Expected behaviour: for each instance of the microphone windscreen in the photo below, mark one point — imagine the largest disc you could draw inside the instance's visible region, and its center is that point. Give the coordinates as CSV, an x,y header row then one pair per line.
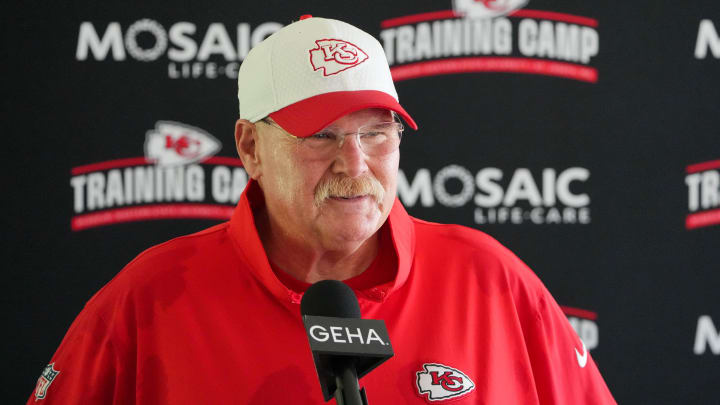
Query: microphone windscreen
x,y
330,298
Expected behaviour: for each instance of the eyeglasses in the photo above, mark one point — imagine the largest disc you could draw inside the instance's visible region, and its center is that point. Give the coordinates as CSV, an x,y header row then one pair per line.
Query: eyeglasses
x,y
377,139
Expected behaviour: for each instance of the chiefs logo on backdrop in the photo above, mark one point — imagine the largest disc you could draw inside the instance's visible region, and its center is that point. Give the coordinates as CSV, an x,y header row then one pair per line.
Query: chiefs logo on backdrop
x,y
486,8
332,56
440,382
172,143
171,181
491,36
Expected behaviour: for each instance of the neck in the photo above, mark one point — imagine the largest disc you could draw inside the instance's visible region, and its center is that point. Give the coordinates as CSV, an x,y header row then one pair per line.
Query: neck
x,y
312,263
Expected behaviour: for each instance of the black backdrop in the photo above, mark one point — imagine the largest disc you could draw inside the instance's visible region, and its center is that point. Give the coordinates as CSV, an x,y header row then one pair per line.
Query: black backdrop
x,y
632,130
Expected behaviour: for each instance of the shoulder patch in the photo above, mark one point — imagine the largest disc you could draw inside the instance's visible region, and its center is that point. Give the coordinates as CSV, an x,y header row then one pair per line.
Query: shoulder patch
x,y
46,378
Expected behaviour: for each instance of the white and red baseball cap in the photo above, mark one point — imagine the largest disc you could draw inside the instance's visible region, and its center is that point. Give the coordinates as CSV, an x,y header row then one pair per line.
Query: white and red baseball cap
x,y
314,71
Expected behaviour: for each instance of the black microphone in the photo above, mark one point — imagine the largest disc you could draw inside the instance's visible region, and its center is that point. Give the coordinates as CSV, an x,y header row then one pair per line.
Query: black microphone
x,y
344,346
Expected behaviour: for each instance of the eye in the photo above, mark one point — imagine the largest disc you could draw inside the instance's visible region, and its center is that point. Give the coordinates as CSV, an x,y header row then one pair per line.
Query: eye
x,y
322,136
373,137
372,134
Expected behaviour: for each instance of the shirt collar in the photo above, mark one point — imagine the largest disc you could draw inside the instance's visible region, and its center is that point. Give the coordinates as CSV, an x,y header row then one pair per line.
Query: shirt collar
x,y
246,241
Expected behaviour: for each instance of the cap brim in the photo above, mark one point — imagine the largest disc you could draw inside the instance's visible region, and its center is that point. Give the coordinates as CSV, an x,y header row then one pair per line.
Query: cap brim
x,y
308,116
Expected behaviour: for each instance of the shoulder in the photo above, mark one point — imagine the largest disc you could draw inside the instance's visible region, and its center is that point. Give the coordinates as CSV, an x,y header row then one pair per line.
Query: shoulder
x,y
474,255
156,278
462,240
458,236
180,249
163,266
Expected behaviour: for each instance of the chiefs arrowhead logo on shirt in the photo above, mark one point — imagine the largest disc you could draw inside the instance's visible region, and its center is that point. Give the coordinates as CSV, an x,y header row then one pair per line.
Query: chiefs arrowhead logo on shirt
x,y
335,55
441,382
46,378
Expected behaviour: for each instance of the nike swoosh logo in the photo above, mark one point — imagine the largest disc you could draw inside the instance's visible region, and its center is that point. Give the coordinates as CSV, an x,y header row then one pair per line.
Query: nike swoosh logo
x,y
582,359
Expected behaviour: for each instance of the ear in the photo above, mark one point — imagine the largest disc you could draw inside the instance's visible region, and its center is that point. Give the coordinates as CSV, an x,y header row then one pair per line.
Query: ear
x,y
246,142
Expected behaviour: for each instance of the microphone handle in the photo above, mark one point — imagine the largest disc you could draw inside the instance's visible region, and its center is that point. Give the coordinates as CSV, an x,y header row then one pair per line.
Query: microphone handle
x,y
348,390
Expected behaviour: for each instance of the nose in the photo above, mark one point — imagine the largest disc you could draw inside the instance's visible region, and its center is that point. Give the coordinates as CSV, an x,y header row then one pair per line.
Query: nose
x,y
350,159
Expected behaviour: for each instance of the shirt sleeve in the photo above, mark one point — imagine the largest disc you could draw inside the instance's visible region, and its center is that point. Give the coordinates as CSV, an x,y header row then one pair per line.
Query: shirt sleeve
x,y
563,370
88,368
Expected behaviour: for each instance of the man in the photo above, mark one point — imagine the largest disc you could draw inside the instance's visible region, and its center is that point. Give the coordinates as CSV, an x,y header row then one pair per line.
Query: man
x,y
214,317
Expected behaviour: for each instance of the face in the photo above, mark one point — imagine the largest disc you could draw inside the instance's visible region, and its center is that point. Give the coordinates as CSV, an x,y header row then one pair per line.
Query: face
x,y
325,202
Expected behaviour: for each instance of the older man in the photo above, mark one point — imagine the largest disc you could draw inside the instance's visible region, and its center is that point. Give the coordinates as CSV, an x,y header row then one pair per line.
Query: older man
x,y
214,317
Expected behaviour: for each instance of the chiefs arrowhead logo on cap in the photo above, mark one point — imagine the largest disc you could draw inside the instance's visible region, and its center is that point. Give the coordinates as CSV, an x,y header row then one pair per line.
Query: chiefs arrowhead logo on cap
x,y
441,382
332,56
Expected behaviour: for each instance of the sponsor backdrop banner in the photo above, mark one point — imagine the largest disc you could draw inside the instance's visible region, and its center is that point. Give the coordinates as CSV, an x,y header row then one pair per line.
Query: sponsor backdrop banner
x,y
585,136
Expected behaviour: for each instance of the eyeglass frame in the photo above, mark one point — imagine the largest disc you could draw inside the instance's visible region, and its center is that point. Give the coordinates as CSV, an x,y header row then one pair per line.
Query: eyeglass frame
x,y
400,129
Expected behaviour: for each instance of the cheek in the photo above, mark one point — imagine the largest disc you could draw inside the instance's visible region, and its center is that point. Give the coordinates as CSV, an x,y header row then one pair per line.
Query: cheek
x,y
386,171
386,168
278,170
295,180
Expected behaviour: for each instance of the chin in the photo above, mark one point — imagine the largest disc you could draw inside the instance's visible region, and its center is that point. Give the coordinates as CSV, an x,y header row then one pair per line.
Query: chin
x,y
355,230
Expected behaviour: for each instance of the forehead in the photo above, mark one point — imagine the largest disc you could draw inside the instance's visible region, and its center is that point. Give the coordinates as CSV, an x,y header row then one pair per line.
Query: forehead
x,y
362,117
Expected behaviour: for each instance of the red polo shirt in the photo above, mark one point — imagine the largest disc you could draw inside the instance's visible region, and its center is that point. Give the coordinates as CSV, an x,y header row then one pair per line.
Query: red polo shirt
x,y
204,319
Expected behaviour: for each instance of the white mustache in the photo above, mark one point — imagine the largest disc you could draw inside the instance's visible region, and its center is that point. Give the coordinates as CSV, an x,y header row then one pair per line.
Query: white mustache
x,y
349,187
